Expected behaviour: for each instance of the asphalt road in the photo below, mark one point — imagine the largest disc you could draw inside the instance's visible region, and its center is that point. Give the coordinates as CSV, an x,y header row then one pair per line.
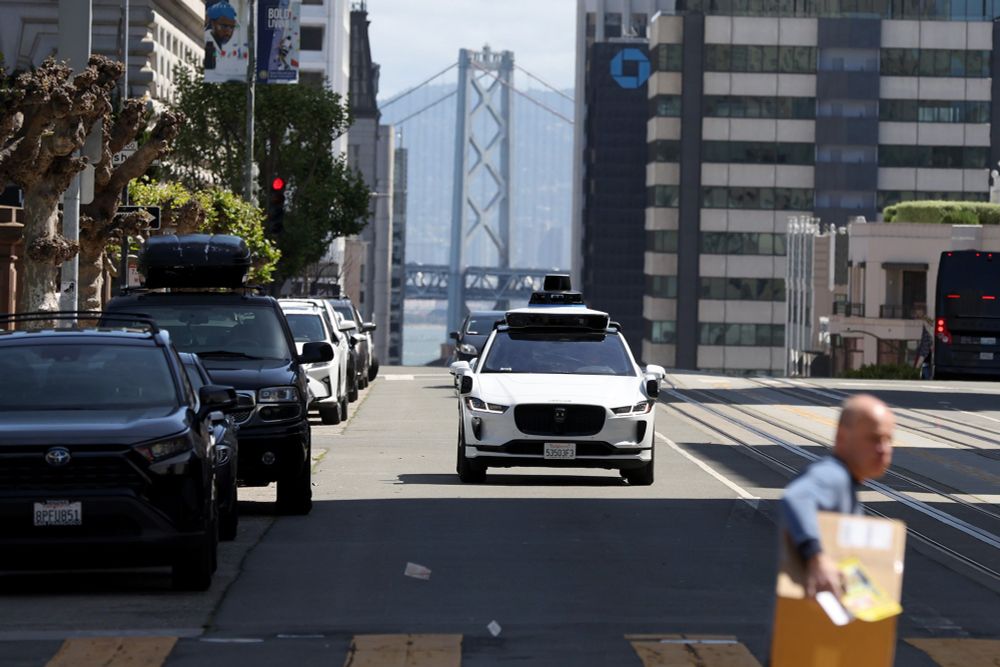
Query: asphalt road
x,y
572,567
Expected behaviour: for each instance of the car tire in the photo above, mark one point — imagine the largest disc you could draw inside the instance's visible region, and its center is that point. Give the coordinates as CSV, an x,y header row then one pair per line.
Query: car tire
x,y
352,388
343,408
470,472
295,491
364,381
193,568
329,413
639,476
229,520
373,370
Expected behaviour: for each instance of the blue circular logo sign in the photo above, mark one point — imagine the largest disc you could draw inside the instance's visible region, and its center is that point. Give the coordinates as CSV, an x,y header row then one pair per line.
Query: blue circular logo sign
x,y
638,72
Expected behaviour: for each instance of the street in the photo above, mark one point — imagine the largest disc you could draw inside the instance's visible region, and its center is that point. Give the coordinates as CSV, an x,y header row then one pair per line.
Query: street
x,y
547,567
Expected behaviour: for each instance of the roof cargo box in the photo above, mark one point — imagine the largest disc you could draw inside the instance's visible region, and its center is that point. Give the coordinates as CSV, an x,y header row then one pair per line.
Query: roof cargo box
x,y
195,260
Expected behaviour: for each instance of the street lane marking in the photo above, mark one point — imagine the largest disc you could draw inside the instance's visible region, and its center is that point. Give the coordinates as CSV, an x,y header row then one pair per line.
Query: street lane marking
x,y
691,651
740,491
396,378
113,652
405,651
960,652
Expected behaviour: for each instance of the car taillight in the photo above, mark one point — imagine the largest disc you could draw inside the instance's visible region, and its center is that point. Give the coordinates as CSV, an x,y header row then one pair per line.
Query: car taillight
x,y
941,329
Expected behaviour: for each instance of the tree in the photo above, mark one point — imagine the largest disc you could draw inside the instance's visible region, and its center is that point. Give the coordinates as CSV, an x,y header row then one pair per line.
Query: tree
x,y
45,115
211,211
295,127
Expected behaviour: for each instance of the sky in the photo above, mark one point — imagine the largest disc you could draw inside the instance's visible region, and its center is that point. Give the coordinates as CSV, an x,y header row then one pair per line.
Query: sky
x,y
413,40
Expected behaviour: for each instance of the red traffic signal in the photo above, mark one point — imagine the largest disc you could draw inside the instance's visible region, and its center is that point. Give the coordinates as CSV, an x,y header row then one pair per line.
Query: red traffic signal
x,y
278,183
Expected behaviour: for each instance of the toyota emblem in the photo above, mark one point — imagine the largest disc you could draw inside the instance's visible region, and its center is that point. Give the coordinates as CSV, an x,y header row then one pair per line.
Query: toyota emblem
x,y
560,415
57,457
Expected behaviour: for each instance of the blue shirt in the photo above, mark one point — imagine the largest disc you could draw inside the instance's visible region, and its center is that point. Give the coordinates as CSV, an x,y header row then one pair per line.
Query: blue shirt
x,y
825,486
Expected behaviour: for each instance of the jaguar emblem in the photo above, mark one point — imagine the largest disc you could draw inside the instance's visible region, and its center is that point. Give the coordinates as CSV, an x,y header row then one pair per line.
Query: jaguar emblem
x,y
57,457
560,415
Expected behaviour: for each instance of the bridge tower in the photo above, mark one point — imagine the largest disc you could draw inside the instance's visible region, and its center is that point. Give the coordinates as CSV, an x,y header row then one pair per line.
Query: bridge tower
x,y
481,184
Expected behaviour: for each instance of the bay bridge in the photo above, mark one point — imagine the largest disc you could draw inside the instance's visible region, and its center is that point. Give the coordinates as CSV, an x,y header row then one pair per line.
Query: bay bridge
x,y
479,252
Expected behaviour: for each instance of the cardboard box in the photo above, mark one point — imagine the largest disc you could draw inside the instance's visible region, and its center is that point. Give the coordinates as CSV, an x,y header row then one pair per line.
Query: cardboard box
x,y
804,634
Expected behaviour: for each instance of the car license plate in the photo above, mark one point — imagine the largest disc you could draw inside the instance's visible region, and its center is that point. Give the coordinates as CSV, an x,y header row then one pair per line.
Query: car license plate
x,y
988,341
986,356
565,451
58,513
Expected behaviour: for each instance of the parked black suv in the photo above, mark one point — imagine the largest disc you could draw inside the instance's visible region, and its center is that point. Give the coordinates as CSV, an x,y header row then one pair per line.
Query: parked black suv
x,y
106,452
243,340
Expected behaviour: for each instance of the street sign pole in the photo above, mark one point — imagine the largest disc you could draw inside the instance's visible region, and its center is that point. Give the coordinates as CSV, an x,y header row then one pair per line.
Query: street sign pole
x,y
251,78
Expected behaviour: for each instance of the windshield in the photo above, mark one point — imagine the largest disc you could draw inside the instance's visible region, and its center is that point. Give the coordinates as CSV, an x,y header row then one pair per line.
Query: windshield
x,y
481,326
571,353
234,330
66,376
306,328
345,311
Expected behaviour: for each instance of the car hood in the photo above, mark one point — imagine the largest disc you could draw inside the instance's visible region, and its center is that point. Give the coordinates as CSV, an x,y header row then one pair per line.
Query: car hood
x,y
250,373
65,427
509,389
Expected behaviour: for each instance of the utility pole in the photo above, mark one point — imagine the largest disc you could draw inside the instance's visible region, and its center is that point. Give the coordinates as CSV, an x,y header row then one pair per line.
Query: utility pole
x,y
75,27
251,80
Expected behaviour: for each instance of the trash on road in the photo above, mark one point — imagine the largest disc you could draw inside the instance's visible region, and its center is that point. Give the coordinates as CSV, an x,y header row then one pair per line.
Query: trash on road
x,y
417,571
494,628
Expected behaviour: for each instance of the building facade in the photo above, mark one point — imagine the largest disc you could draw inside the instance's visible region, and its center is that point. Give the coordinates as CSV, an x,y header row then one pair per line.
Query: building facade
x,y
325,48
162,35
756,117
397,287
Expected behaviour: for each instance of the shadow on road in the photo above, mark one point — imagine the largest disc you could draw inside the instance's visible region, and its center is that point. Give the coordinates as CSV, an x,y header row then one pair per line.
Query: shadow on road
x,y
513,479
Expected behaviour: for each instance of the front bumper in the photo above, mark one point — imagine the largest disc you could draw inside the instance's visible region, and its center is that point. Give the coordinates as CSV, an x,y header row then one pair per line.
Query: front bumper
x,y
289,445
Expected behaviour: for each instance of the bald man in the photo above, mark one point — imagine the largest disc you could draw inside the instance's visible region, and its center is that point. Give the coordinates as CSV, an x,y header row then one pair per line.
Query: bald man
x,y
862,450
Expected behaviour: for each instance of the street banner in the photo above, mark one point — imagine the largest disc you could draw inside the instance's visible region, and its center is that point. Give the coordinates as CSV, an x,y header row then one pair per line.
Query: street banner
x,y
278,41
227,53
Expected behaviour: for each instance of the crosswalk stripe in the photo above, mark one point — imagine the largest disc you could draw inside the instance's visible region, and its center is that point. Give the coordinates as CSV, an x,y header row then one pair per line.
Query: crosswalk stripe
x,y
113,652
405,651
691,651
960,652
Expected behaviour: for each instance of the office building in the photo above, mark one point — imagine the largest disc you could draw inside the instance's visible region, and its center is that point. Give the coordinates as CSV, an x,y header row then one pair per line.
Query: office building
x,y
827,112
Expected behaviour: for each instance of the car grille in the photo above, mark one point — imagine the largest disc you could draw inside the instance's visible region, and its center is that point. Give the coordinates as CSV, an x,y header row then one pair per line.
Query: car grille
x,y
567,420
31,472
245,402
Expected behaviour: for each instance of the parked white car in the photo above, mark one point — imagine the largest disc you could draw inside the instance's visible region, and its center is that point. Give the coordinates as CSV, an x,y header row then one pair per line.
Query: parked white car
x,y
311,322
557,386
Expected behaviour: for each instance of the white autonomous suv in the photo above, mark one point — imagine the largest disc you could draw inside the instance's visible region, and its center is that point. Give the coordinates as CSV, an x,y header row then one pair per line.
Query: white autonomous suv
x,y
557,386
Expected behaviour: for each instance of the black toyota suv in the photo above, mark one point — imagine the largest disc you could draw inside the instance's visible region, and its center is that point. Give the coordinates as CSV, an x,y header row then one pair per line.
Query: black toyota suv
x,y
243,340
106,452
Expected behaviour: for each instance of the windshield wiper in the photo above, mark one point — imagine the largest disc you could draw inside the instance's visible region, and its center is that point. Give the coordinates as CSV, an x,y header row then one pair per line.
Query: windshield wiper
x,y
227,353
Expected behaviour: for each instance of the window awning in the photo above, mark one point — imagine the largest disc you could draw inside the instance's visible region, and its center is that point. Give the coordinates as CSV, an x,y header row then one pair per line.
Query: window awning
x,y
905,266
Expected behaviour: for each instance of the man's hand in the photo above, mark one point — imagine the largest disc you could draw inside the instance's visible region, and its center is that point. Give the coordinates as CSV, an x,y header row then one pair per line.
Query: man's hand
x,y
822,575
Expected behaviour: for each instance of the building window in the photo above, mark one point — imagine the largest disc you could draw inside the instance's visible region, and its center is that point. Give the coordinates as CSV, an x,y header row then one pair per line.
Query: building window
x,y
742,289
665,150
935,62
317,79
591,24
663,196
755,152
661,287
311,38
890,197
752,58
934,111
746,106
665,106
745,335
742,243
661,240
938,157
668,58
612,25
638,25
778,199
662,332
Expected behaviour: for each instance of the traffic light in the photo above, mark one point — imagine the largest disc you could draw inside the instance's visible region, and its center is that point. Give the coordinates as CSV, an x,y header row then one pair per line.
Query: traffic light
x,y
276,207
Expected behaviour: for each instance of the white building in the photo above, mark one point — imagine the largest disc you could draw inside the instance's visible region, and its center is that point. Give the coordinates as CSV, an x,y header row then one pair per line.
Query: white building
x,y
325,48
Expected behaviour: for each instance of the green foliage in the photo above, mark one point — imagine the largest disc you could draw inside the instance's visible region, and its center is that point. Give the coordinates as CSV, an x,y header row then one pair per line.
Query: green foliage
x,y
294,127
944,212
884,372
225,213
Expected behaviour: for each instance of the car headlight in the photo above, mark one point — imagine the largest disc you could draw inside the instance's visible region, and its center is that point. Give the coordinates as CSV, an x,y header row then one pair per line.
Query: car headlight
x,y
278,395
467,348
164,449
641,408
478,405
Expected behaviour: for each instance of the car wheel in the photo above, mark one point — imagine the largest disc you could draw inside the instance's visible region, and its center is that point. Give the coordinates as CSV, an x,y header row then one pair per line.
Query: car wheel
x,y
639,476
343,408
470,472
373,370
295,491
229,520
329,413
352,388
363,383
193,568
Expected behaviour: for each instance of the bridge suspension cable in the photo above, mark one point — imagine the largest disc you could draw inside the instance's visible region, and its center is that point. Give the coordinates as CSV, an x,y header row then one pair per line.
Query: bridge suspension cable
x,y
413,89
426,108
524,95
545,83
